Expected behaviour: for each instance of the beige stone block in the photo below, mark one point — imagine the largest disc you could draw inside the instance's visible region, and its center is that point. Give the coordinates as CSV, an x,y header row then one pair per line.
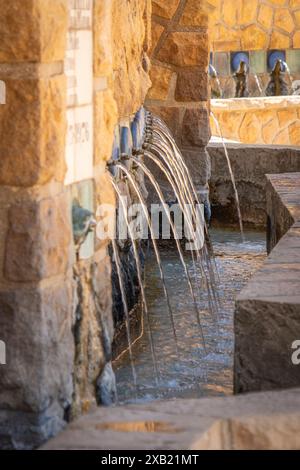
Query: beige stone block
x,y
185,48
270,130
194,15
279,40
195,128
296,40
254,38
32,132
286,116
294,4
39,239
161,79
250,129
284,20
171,116
265,16
157,31
278,2
192,85
105,120
33,30
294,131
247,11
282,138
103,54
165,9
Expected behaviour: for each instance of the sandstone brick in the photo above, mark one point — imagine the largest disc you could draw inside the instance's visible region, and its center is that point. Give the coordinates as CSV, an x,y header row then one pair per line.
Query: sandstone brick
x,y
165,9
157,31
103,54
161,78
194,15
105,120
296,40
294,132
185,48
254,38
282,138
284,20
195,128
230,13
265,16
270,130
36,325
33,142
248,11
192,85
279,40
38,241
33,30
297,18
250,130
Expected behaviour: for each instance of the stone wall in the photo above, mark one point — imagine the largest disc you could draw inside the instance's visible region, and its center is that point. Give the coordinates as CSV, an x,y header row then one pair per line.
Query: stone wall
x,y
255,25
180,57
55,308
267,121
250,164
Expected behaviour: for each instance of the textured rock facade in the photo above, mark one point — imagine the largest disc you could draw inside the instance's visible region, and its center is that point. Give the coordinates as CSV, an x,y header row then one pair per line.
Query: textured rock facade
x,y
56,312
255,25
179,93
259,121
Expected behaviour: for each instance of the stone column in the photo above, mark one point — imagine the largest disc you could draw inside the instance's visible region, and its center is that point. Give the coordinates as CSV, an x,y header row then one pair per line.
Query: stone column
x,y
35,225
179,93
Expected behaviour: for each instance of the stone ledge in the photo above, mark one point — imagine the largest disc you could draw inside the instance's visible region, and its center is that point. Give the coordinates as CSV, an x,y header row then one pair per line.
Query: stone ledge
x,y
255,421
268,309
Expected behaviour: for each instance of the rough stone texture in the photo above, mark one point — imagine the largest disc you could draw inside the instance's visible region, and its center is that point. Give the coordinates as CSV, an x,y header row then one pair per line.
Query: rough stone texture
x,y
105,120
258,120
250,164
191,85
195,128
93,328
161,79
268,309
254,25
185,48
33,30
38,240
163,9
267,421
36,325
38,110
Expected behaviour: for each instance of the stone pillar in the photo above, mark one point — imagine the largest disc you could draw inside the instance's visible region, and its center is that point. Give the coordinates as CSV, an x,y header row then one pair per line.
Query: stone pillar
x,y
35,228
179,93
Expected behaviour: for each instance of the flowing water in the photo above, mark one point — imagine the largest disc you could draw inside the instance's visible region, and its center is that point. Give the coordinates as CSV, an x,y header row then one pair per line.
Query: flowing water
x,y
193,372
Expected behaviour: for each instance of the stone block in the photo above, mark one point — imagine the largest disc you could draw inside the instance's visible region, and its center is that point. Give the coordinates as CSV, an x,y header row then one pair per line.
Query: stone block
x,y
265,16
33,30
247,12
258,62
279,40
185,48
195,128
254,38
293,60
32,132
39,239
296,40
192,85
165,9
294,133
156,33
194,15
161,79
36,325
250,129
105,120
170,115
103,53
